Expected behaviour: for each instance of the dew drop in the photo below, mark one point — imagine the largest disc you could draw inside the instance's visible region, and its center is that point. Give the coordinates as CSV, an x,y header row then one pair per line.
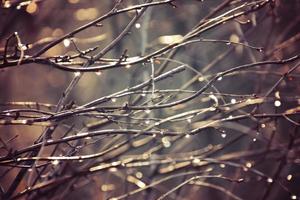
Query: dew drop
x,y
222,165
55,162
127,66
137,25
166,142
200,79
277,94
22,47
277,103
196,161
293,197
67,42
139,175
233,101
249,164
212,109
98,73
260,49
76,74
269,180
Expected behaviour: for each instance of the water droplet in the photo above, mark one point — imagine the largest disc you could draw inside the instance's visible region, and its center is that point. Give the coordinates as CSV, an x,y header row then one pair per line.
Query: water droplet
x,y
293,197
254,139
77,74
200,79
196,161
166,142
187,136
222,165
260,49
98,73
223,135
249,164
139,175
113,100
269,180
277,94
189,120
215,99
212,109
67,42
220,78
22,47
233,101
55,162
115,163
263,125
277,103
289,177
127,66
137,25
147,111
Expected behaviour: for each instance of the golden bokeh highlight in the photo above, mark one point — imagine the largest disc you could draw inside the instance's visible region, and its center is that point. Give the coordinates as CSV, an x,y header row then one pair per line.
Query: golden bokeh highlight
x,y
86,14
73,1
32,8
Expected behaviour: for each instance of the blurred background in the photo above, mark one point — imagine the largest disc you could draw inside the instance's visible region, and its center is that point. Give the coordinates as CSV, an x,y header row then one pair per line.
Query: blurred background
x,y
235,149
